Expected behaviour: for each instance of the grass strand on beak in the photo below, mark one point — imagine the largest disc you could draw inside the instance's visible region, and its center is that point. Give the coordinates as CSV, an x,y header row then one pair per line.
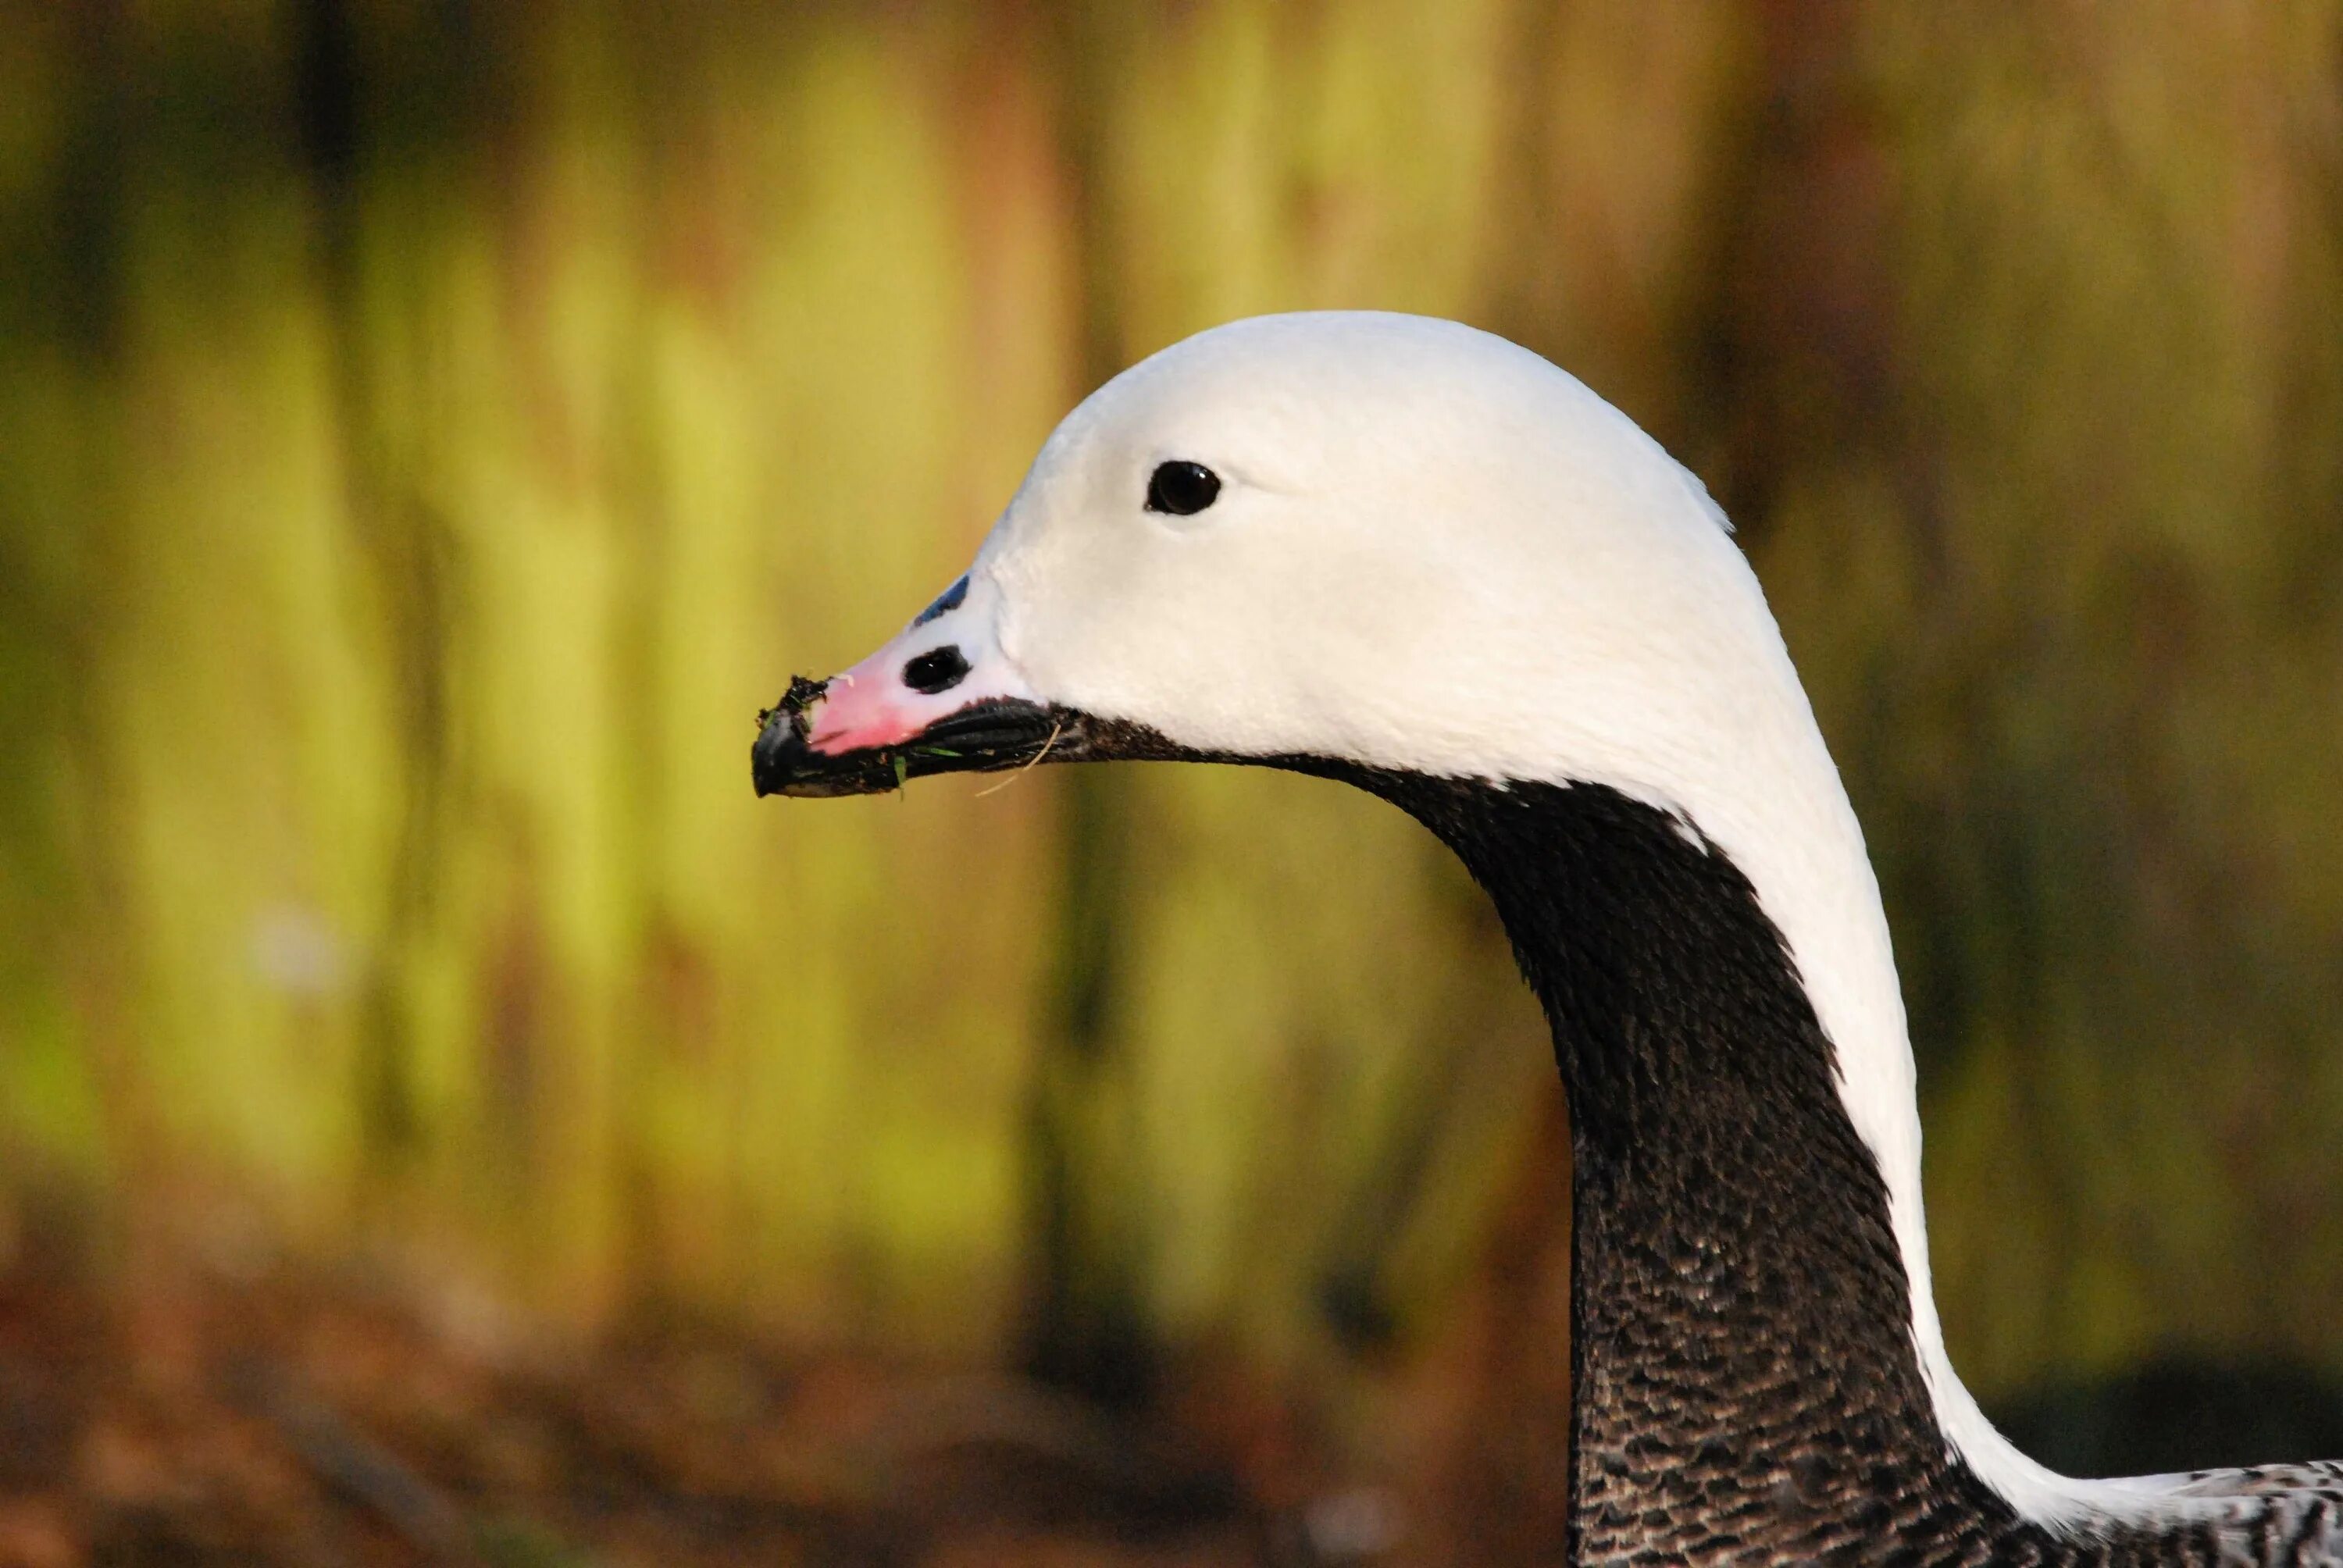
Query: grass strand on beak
x,y
1031,763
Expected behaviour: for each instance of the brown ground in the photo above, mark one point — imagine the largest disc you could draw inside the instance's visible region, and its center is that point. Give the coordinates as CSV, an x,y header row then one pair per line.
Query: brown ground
x,y
176,1413
207,1421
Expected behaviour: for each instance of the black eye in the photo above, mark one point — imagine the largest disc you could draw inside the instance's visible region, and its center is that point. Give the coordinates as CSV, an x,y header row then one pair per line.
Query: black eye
x,y
936,671
1182,488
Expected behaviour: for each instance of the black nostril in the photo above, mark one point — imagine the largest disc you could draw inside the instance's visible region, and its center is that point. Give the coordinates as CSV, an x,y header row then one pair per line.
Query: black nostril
x,y
938,669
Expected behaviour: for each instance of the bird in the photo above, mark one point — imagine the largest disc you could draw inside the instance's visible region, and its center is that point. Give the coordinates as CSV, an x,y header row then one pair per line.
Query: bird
x,y
1413,557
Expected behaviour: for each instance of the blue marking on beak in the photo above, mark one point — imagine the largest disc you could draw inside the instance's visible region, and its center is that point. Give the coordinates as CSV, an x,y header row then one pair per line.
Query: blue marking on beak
x,y
947,601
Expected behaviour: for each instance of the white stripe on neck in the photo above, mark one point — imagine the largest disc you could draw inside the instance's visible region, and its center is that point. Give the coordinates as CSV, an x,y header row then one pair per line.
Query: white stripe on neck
x,y
1798,843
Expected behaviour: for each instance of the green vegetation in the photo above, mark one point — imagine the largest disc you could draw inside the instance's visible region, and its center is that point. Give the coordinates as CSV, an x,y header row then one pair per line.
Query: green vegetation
x,y
426,450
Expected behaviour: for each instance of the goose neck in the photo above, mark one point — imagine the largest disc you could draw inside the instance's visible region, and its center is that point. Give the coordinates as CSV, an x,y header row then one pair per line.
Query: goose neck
x,y
1743,1350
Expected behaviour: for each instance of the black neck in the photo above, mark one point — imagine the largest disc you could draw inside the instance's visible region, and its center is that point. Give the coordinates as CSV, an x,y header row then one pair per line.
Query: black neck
x,y
1745,1378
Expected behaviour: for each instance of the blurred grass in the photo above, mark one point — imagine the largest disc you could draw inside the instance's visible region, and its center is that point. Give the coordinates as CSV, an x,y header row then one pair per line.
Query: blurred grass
x,y
434,432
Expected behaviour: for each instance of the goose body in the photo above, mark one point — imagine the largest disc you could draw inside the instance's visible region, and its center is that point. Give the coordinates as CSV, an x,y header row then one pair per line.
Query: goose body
x,y
1417,559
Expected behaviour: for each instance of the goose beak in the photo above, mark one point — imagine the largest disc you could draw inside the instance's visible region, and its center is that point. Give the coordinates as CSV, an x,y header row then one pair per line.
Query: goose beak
x,y
940,698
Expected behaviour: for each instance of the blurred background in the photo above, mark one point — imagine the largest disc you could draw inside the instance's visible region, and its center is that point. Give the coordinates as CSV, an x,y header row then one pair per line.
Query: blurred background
x,y
443,1117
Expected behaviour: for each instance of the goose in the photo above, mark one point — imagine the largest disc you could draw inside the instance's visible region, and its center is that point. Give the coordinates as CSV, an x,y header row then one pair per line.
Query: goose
x,y
1415,558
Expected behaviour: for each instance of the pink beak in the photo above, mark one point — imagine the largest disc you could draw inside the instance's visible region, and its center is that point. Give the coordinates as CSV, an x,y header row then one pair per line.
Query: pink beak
x,y
940,696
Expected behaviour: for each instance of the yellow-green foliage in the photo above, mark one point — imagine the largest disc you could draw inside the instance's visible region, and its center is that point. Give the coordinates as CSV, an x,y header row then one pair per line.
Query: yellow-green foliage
x,y
394,548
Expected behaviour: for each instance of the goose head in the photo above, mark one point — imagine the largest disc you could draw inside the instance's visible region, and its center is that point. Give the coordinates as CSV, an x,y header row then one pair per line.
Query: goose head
x,y
1378,540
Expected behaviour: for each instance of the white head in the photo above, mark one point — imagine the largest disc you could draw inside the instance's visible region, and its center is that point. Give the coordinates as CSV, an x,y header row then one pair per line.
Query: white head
x,y
1428,550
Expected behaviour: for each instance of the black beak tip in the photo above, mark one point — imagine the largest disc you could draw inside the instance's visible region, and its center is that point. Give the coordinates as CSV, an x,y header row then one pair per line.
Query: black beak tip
x,y
772,760
765,764
783,763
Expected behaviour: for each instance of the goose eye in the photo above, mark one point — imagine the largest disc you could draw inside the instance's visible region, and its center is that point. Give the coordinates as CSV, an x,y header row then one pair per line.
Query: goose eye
x,y
1182,488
